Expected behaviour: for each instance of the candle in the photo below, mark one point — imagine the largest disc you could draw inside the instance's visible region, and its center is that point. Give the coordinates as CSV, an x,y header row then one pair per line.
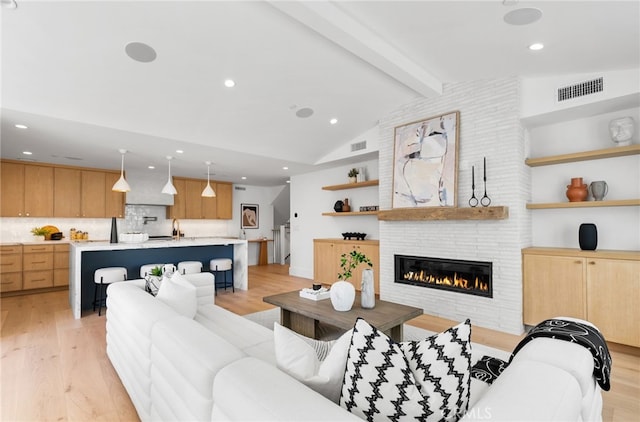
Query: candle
x,y
485,169
473,176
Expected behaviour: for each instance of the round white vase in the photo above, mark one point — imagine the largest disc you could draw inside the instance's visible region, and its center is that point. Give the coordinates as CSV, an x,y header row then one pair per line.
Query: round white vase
x,y
343,294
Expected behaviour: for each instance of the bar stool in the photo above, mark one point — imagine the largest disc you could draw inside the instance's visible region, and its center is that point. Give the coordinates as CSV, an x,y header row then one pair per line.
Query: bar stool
x,y
102,278
168,268
222,265
145,270
189,267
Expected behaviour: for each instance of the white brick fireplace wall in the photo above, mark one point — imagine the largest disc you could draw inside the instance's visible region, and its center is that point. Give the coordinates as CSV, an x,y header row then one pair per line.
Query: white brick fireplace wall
x,y
489,127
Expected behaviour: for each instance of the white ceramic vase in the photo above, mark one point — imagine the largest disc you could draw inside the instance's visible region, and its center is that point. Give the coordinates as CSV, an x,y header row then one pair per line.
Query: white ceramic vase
x,y
367,293
343,294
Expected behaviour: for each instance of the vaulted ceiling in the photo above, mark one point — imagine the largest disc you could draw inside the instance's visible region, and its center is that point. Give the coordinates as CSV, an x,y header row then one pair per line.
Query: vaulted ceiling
x,y
66,76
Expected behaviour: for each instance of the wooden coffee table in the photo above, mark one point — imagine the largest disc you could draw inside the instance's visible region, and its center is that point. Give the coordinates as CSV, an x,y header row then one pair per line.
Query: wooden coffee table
x,y
305,315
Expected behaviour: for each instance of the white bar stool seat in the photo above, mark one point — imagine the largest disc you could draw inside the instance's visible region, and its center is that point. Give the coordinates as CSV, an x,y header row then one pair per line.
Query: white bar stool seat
x,y
102,278
145,270
224,265
189,267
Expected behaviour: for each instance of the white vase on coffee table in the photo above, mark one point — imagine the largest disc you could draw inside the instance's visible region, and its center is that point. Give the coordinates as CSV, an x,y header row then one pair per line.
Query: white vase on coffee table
x,y
343,294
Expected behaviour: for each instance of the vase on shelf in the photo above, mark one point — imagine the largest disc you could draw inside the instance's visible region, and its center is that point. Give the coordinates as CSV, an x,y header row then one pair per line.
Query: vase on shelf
x,y
577,191
598,189
367,293
345,205
353,179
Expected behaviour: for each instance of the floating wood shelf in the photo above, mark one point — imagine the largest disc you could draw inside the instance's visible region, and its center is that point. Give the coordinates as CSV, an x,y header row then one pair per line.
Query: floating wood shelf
x,y
584,156
444,213
586,204
352,185
349,214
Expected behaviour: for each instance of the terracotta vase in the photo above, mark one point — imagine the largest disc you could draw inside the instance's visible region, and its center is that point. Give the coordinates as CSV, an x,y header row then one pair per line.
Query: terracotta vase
x,y
577,191
345,205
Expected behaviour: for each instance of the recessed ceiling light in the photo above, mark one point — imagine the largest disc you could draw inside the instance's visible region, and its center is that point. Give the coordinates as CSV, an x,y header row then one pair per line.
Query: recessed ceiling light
x,y
179,151
333,121
21,126
27,152
140,52
536,46
304,112
523,16
229,83
285,168
151,167
244,177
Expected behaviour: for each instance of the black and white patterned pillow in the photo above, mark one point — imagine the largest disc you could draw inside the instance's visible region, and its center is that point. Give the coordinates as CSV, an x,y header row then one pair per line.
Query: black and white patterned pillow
x,y
425,380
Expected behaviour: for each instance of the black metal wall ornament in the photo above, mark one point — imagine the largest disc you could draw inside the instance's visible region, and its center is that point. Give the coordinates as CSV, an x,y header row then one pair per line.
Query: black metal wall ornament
x,y
485,201
473,201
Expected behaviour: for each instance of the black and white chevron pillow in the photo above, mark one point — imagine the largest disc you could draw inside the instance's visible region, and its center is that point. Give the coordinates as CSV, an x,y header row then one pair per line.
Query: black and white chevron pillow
x,y
425,380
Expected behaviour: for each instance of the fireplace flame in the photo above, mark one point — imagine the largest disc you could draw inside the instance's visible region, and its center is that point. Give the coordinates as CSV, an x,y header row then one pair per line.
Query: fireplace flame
x,y
453,281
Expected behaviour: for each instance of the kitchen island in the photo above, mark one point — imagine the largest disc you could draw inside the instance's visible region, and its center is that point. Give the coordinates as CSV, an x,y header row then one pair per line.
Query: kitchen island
x,y
86,257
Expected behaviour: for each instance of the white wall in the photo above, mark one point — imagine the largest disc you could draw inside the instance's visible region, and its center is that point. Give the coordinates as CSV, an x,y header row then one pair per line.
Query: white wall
x,y
309,201
618,227
489,127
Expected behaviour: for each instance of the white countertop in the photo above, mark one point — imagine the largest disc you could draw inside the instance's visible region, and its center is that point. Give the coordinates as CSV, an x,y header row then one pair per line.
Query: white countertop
x,y
150,244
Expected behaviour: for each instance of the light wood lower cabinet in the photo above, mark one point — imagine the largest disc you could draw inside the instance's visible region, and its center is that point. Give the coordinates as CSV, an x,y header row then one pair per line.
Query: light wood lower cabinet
x,y
602,287
10,268
33,266
326,260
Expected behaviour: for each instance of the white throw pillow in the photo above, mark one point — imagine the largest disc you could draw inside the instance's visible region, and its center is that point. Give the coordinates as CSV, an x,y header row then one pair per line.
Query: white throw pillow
x,y
178,293
317,364
424,380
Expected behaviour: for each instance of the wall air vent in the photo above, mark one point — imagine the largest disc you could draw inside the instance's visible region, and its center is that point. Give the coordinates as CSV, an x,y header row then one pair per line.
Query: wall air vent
x,y
580,89
239,188
358,146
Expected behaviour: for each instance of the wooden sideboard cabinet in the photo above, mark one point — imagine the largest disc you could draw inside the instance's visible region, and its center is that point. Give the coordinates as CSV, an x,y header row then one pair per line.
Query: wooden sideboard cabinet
x,y
10,268
326,260
602,287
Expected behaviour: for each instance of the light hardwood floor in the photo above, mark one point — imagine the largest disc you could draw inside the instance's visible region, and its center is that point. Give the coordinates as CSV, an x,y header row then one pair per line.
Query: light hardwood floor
x,y
53,367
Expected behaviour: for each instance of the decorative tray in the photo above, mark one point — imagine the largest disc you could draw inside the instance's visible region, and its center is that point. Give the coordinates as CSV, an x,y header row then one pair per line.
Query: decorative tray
x,y
321,294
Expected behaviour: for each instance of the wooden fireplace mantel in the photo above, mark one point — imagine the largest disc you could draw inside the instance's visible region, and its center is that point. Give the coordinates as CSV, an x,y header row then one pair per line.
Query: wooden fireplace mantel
x,y
444,213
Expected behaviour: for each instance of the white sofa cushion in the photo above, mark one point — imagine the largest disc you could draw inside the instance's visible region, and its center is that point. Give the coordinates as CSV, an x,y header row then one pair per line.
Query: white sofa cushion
x,y
387,380
317,364
180,294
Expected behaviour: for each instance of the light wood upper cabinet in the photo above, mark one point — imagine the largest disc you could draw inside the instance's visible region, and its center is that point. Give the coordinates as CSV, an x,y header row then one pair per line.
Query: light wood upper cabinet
x,y
38,191
224,202
93,194
193,200
67,192
12,185
178,209
210,205
114,201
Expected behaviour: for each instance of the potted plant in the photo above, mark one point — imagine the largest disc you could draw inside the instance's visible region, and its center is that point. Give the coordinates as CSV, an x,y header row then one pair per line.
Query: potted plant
x,y
353,173
40,232
342,292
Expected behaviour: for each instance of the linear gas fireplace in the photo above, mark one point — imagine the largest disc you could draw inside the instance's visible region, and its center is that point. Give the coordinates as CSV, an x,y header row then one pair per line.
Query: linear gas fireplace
x,y
470,277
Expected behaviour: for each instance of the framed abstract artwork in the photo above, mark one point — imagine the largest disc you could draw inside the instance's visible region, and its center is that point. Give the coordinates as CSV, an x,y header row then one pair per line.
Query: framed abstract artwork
x,y
249,216
425,162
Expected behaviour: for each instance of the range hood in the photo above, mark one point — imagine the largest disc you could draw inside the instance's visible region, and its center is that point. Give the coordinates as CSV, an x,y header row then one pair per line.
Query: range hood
x,y
146,187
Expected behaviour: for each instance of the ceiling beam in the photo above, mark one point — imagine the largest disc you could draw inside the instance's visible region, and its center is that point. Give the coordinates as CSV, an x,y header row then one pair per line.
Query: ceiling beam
x,y
337,26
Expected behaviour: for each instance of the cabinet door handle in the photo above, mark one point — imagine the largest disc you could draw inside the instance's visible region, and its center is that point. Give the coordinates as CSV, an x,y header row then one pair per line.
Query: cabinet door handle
x,y
37,249
578,262
592,263
37,279
5,282
39,262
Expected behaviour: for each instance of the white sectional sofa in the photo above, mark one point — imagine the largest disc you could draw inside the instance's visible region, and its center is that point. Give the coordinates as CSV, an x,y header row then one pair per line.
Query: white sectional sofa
x,y
221,366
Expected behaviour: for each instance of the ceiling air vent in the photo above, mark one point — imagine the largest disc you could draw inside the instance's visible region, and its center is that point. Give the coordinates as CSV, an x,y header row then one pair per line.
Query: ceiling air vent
x,y
239,188
358,146
581,89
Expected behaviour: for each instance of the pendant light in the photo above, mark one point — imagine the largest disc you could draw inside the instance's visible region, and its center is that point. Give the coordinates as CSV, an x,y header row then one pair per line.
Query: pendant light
x,y
121,185
169,189
208,192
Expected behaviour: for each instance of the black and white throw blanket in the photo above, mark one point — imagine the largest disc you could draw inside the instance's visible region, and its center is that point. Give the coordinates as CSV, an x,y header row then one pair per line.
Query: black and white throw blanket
x,y
582,334
488,369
